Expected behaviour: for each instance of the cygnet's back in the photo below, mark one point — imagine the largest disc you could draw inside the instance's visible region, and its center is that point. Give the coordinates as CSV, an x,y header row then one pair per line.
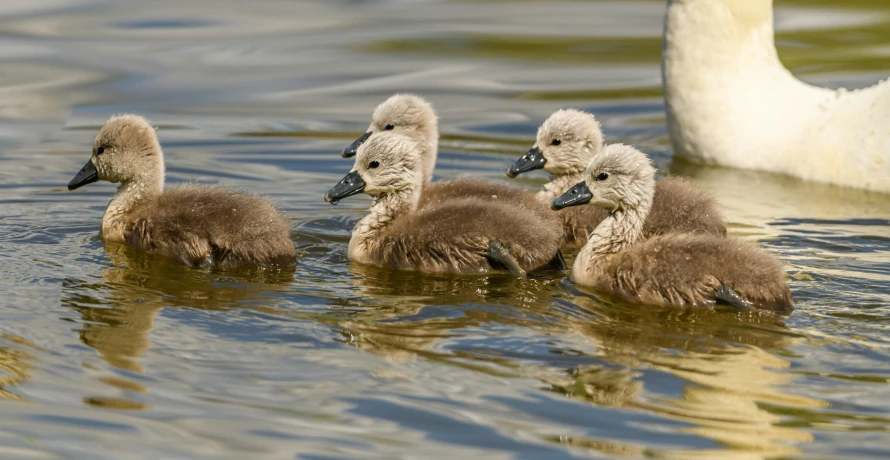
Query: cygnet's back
x,y
680,206
453,235
191,223
688,269
194,224
475,189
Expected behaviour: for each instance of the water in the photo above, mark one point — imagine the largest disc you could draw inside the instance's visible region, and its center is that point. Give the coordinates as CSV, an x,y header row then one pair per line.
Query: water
x,y
108,353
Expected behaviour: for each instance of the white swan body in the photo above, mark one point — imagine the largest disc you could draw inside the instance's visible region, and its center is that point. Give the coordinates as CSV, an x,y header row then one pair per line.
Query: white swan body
x,y
730,101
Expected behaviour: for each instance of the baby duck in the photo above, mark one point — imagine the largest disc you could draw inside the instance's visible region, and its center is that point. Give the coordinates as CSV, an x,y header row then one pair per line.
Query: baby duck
x,y
414,117
675,269
456,235
566,143
190,223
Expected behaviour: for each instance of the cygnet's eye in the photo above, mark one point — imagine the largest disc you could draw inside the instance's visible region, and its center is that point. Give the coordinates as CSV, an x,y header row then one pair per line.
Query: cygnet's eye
x,y
374,164
389,127
555,142
100,151
602,176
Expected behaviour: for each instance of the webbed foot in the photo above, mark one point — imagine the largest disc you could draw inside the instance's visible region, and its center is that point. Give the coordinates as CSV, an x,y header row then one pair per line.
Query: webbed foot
x,y
500,256
729,297
556,264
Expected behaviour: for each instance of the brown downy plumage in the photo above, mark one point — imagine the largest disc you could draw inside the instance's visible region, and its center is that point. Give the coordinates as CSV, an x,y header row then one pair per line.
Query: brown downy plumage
x,y
190,223
474,189
414,117
675,269
463,235
567,141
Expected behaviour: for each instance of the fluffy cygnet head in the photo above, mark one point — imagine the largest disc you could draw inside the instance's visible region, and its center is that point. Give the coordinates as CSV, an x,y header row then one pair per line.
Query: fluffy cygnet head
x,y
566,142
620,178
125,150
386,163
406,114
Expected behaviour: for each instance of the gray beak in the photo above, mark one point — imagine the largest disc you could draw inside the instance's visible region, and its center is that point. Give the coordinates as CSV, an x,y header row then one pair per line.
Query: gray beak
x,y
350,185
87,175
577,195
350,151
533,159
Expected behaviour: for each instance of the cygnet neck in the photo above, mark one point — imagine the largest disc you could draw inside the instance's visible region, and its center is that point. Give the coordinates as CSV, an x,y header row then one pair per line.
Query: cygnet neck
x,y
429,143
384,210
130,195
558,185
616,232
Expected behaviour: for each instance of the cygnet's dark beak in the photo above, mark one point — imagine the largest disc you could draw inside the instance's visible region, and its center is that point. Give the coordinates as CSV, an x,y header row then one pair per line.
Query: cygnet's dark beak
x,y
352,184
533,159
353,147
87,175
577,195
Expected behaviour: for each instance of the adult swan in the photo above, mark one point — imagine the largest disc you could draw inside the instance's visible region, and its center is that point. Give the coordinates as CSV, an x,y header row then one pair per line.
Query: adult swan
x,y
731,102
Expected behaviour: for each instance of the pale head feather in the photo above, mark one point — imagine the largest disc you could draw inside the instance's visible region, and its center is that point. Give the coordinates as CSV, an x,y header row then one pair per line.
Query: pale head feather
x,y
579,138
126,149
388,163
621,178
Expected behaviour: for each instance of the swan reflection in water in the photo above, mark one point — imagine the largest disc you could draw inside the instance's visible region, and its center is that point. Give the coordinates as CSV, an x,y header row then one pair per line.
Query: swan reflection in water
x,y
728,362
120,310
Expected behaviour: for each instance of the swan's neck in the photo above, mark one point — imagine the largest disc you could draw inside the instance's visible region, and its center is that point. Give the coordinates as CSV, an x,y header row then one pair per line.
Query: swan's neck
x,y
616,232
730,101
714,33
384,210
558,185
130,195
721,49
726,88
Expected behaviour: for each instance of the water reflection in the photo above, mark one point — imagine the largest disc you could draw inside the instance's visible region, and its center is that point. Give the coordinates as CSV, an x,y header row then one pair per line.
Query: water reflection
x,y
724,363
404,321
119,312
14,364
723,397
756,197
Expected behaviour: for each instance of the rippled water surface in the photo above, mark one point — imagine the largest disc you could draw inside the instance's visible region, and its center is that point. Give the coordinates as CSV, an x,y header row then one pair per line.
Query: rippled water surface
x,y
108,353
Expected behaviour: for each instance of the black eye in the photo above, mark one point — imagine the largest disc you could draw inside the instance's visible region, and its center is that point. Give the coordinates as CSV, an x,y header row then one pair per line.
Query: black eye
x,y
602,176
373,164
100,151
555,142
389,127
